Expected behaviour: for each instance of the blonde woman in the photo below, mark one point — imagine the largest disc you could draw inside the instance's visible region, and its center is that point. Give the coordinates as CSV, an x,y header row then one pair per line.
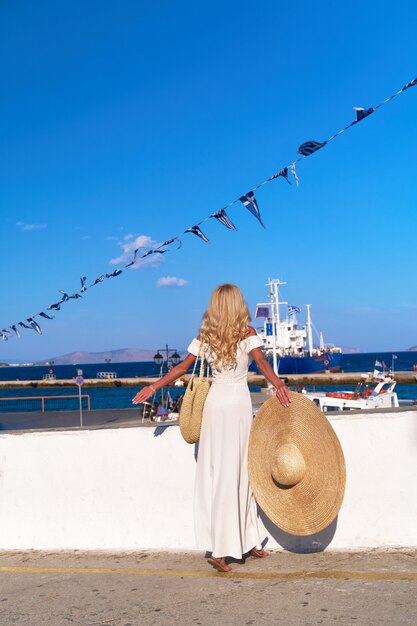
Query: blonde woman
x,y
226,519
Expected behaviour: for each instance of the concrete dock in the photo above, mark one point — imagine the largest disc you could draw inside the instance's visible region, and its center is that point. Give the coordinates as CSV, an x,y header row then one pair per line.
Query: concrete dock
x,y
256,380
165,589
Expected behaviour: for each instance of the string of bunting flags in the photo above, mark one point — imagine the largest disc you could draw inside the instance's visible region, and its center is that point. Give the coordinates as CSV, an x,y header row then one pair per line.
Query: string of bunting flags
x,y
248,200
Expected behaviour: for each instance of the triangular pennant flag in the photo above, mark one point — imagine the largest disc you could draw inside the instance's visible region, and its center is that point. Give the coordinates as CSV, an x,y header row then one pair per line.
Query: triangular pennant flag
x,y
309,147
224,219
197,231
294,173
3,337
133,261
362,113
65,296
100,279
24,325
55,307
167,243
34,325
152,252
7,333
47,317
249,201
116,273
83,287
16,330
284,173
75,296
411,84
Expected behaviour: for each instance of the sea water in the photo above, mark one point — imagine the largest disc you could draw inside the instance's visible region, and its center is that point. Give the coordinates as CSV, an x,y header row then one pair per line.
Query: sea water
x,y
113,397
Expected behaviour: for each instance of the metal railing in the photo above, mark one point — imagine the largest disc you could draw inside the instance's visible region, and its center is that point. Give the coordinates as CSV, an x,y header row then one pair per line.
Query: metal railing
x,y
43,398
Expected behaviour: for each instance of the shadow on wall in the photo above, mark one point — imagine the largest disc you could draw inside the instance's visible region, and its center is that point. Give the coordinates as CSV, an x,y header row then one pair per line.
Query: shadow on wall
x,y
297,543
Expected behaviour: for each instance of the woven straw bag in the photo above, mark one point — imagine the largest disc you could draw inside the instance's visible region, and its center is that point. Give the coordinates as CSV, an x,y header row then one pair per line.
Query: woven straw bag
x,y
191,411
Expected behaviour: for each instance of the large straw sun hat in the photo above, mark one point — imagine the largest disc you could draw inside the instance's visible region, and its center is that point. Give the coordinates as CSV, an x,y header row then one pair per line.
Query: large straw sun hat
x,y
296,465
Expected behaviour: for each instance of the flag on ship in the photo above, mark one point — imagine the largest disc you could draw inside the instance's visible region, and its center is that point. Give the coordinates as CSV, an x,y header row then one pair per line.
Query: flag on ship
x,y
262,311
378,375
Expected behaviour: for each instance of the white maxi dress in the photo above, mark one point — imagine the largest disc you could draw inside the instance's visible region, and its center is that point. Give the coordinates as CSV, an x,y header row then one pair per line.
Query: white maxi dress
x,y
225,511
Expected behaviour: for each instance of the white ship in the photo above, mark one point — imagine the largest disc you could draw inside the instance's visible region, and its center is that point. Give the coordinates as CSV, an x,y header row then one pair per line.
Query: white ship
x,y
288,345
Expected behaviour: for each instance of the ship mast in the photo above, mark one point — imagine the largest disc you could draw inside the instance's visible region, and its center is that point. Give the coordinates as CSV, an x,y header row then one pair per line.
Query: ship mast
x,y
309,331
273,284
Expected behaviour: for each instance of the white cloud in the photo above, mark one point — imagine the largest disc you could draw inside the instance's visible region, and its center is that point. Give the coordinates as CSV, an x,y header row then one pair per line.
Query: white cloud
x,y
128,237
128,249
171,281
24,226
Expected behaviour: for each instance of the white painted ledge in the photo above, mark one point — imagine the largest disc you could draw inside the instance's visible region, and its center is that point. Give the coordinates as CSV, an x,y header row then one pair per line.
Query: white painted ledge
x,y
124,489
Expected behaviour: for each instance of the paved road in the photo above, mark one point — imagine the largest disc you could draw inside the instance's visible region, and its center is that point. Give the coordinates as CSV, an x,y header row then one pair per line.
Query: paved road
x,y
164,589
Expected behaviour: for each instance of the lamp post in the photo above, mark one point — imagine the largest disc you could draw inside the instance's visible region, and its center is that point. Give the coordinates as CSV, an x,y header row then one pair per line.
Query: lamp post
x,y
169,356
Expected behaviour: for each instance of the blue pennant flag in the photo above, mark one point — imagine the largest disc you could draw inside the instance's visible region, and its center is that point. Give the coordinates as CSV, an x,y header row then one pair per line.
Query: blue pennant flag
x,y
309,147
116,273
3,337
24,325
196,231
249,201
224,219
45,315
83,287
133,261
7,333
167,243
284,173
362,113
16,330
75,296
100,279
55,307
65,296
411,84
152,252
34,325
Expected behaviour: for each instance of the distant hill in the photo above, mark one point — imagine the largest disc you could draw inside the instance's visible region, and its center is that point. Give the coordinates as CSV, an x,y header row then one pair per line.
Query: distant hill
x,y
123,355
412,349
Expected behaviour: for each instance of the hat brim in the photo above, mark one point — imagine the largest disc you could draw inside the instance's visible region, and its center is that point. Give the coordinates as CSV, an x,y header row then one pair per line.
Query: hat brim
x,y
313,503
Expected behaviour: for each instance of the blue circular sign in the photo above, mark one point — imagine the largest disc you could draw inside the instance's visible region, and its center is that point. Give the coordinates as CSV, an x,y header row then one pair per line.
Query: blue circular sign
x,y
79,381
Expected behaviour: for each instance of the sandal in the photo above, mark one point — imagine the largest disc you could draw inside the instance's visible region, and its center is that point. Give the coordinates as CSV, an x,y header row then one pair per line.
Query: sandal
x,y
260,554
219,564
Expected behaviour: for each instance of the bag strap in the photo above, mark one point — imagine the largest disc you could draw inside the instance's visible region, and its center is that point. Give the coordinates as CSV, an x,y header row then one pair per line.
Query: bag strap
x,y
204,367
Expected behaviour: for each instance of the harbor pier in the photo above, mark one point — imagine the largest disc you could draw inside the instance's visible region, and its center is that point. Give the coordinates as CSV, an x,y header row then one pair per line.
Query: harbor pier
x,y
255,380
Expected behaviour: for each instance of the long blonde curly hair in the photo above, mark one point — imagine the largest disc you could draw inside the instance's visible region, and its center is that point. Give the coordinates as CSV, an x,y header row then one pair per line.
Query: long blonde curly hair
x,y
225,324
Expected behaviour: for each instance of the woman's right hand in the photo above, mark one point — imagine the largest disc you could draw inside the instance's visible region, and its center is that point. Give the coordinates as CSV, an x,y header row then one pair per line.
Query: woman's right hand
x,y
143,395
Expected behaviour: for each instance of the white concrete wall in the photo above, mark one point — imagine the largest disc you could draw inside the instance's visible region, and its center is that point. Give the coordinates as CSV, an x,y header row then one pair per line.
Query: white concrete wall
x,y
125,489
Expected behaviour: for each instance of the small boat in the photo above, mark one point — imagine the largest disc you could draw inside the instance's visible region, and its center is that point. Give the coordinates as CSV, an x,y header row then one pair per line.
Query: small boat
x,y
288,346
367,395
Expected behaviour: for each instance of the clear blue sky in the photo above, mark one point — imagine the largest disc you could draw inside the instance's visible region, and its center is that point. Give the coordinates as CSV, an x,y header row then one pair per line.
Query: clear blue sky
x,y
131,118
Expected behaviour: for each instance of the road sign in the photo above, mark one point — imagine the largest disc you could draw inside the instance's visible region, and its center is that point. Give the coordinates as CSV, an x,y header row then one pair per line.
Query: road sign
x,y
79,381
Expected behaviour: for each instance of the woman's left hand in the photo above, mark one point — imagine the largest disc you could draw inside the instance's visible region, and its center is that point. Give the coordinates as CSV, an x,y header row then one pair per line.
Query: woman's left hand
x,y
143,395
283,395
